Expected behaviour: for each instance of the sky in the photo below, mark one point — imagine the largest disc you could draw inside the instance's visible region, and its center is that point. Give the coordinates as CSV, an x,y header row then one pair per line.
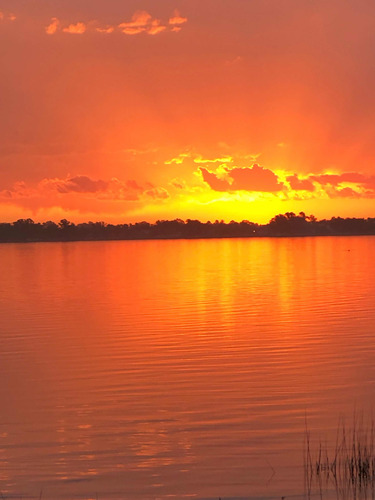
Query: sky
x,y
130,110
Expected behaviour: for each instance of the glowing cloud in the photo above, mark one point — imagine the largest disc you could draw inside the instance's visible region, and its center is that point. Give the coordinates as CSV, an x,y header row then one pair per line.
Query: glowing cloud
x,y
253,178
76,29
296,187
53,26
141,22
178,160
177,19
156,28
107,29
140,19
225,159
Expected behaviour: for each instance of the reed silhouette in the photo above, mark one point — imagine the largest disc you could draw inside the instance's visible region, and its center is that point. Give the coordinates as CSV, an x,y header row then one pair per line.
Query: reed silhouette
x,y
345,469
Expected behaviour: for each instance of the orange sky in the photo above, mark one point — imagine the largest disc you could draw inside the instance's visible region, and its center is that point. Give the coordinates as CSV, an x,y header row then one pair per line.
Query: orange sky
x,y
211,109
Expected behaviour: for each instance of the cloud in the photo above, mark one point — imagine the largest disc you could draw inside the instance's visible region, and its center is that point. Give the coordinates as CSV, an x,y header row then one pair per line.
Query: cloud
x,y
346,177
7,16
198,158
157,193
347,193
324,179
213,181
119,190
132,31
156,27
225,159
76,29
141,22
84,187
105,29
255,178
140,19
221,177
263,180
178,160
298,184
78,184
252,179
176,20
19,190
114,189
132,185
53,26
178,183
344,185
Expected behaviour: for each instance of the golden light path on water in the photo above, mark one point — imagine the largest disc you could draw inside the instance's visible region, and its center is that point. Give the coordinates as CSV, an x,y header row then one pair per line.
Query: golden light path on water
x,y
173,369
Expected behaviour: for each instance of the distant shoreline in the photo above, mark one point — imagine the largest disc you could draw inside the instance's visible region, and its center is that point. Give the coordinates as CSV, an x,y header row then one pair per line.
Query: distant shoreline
x,y
282,225
199,238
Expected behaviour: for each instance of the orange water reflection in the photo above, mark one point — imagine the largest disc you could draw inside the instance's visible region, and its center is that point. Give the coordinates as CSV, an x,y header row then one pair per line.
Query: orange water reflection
x,y
160,368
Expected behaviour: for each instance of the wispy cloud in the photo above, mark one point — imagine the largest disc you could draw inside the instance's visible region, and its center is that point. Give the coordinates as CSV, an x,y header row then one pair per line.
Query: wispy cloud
x,y
105,29
157,193
77,184
86,187
176,21
140,22
7,16
178,160
224,159
198,158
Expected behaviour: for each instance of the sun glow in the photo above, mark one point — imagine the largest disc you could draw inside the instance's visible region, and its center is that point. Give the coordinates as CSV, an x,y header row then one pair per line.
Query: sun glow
x,y
130,125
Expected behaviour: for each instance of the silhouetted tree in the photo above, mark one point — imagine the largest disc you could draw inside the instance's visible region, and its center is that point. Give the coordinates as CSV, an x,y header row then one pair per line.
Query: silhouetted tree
x,y
288,224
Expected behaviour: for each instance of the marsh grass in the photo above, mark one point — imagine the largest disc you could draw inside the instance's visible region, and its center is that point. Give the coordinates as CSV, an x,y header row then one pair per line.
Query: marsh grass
x,y
346,468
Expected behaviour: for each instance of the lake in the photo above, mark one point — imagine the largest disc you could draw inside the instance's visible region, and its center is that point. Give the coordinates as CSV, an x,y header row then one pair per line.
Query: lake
x,y
179,369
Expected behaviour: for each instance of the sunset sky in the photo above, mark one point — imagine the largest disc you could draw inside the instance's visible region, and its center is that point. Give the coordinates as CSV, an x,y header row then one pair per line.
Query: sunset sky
x,y
129,110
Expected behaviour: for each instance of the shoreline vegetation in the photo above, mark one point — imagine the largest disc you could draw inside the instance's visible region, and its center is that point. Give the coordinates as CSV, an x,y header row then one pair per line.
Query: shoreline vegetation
x,y
346,467
288,224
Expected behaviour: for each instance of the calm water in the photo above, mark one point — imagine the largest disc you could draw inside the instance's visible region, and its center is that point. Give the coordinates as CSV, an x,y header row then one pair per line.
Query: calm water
x,y
179,369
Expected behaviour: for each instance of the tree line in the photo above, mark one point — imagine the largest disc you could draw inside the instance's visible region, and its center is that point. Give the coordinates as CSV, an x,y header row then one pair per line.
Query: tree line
x,y
288,224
